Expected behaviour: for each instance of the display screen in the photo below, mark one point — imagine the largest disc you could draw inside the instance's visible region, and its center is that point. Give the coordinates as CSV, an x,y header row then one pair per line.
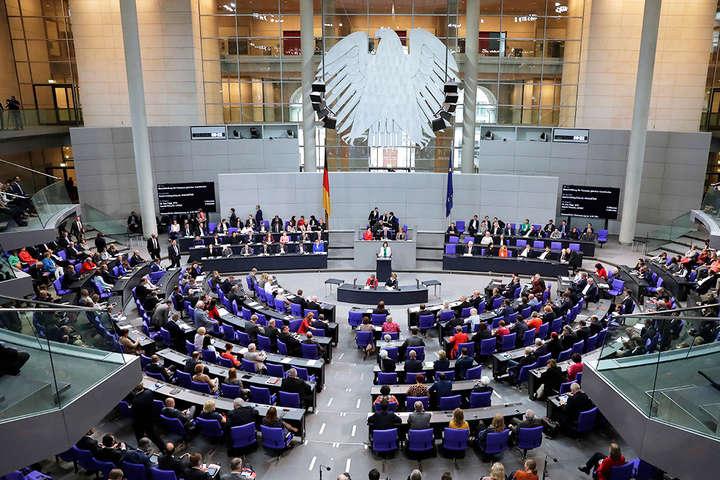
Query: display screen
x,y
184,198
589,202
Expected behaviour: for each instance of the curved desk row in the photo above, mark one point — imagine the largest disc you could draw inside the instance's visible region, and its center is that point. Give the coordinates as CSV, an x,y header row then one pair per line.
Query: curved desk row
x,y
186,243
404,295
265,262
586,247
522,266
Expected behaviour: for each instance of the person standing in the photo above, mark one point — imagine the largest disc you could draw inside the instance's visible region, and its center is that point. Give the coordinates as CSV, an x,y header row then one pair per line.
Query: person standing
x,y
13,105
2,116
174,254
153,246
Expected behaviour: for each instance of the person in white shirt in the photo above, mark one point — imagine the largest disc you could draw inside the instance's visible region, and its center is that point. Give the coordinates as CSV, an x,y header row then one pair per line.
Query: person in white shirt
x,y
526,251
473,320
385,251
487,240
544,255
468,249
199,338
532,300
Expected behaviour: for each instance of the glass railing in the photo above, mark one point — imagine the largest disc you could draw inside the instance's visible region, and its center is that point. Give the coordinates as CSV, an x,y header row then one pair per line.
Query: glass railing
x,y
53,355
667,365
103,222
33,118
677,227
50,201
711,201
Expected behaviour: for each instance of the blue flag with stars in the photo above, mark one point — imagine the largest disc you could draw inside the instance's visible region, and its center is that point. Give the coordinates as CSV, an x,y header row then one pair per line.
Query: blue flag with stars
x,y
449,195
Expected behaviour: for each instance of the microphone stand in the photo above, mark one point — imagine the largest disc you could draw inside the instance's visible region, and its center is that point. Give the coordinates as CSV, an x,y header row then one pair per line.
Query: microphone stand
x,y
544,475
322,467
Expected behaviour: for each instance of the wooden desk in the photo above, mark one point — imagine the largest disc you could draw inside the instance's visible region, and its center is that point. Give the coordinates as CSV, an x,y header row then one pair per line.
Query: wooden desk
x,y
459,387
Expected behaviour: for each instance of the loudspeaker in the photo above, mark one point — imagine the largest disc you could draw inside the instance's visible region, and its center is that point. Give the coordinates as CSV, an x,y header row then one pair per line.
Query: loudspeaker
x,y
329,122
438,124
318,87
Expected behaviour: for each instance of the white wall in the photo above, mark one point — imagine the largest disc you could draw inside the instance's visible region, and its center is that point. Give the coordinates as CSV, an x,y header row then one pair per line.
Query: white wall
x,y
608,65
417,199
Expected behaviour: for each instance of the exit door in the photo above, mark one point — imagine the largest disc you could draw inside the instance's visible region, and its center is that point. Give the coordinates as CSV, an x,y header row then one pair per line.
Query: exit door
x,y
57,104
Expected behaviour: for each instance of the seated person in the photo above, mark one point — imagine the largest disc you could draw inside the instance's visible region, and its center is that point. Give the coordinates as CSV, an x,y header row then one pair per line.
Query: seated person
x,y
272,420
550,380
372,281
458,421
318,246
468,249
385,396
577,401
202,377
529,471
442,364
110,450
412,364
383,419
497,425
602,465
292,384
368,234
392,281
387,364
185,416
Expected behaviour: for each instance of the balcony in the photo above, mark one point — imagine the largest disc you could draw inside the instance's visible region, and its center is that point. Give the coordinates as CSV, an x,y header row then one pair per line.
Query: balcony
x,y
649,387
73,377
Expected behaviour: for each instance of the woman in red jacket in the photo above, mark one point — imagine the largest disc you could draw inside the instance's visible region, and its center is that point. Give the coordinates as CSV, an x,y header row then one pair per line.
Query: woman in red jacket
x,y
306,323
603,464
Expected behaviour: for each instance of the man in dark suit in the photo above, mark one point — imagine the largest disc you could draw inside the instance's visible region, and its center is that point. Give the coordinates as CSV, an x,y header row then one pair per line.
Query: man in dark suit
x,y
139,456
100,243
276,226
87,442
628,305
441,388
174,254
170,411
241,414
272,332
293,384
292,343
153,246
414,340
383,420
577,401
77,230
109,450
252,328
463,363
412,364
387,364
374,216
143,420
168,460
473,225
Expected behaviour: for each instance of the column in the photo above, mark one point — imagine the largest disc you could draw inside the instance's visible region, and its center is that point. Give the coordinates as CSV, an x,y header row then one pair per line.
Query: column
x,y
472,27
307,45
641,108
138,116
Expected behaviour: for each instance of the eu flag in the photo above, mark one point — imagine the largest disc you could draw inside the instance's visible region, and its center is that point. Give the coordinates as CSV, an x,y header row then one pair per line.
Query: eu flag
x,y
449,195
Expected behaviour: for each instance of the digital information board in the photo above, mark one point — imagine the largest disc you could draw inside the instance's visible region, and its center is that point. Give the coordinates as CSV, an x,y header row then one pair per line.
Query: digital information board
x,y
184,198
589,202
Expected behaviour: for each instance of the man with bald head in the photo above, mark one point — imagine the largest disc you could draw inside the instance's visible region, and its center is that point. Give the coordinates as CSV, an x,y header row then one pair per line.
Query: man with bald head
x,y
292,384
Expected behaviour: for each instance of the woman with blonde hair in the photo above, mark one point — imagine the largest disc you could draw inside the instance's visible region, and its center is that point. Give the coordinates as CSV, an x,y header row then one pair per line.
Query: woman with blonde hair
x,y
497,472
458,420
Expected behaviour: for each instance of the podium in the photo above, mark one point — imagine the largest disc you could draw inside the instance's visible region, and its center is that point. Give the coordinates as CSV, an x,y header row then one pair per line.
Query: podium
x,y
383,269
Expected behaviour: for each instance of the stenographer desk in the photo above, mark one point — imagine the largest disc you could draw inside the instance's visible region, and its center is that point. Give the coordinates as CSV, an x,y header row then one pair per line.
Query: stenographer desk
x,y
403,295
522,266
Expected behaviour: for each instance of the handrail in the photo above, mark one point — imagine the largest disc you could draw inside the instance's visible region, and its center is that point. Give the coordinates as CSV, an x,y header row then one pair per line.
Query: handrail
x,y
40,302
30,169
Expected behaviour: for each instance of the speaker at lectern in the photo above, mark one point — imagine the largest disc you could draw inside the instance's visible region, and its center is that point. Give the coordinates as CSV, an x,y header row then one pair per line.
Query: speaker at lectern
x,y
383,267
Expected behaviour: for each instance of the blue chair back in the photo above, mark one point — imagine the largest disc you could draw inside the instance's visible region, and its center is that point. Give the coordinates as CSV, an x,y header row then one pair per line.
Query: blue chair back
x,y
309,350
134,471
274,438
421,441
451,248
487,347
261,395
480,399
282,348
497,442
296,310
158,474
529,438
450,403
565,387
209,355
275,370
426,322
543,331
378,319
290,400
622,472
578,347
200,387
410,403
449,375
183,379
455,440
385,441
564,355
363,339
528,337
470,346
354,318
586,420
243,436
230,391
387,378
264,343
508,342
473,373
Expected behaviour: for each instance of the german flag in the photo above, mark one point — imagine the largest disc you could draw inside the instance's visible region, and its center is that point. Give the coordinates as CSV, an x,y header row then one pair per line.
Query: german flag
x,y
326,190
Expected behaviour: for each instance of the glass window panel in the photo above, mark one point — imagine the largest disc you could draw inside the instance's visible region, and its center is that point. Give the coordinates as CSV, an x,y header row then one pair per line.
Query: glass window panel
x,y
257,6
34,27
16,28
293,6
350,6
567,95
395,7
523,8
37,50
523,48
211,92
555,48
19,50
564,28
12,7
23,72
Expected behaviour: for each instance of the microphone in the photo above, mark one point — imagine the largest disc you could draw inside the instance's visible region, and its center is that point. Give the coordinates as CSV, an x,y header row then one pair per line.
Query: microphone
x,y
355,282
327,469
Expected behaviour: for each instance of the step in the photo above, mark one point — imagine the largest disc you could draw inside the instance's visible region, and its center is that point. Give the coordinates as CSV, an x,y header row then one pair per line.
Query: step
x,y
342,264
431,265
698,235
429,254
336,252
689,241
